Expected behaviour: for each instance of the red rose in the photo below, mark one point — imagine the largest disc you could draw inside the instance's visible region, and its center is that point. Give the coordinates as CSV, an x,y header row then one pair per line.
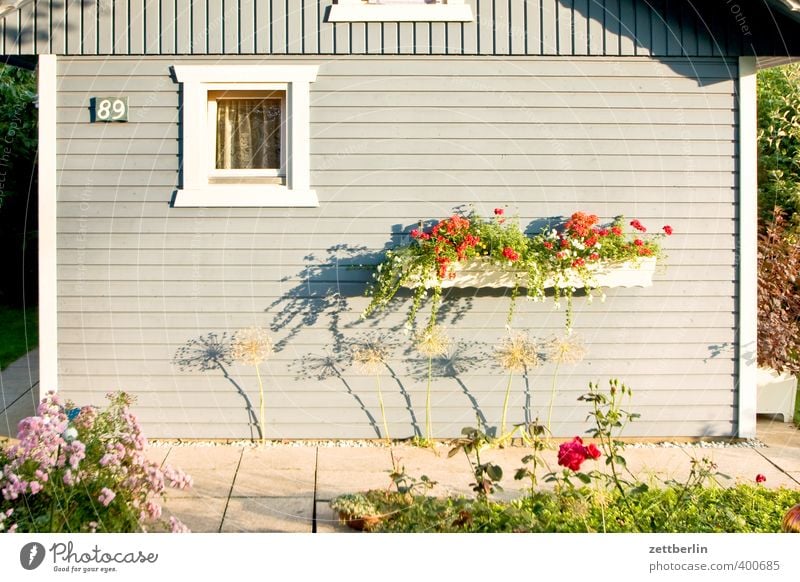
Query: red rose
x,y
593,452
571,454
760,478
668,229
498,211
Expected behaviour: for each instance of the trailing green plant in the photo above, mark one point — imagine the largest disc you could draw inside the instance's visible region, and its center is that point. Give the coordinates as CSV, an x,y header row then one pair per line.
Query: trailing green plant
x,y
83,469
779,294
562,256
487,475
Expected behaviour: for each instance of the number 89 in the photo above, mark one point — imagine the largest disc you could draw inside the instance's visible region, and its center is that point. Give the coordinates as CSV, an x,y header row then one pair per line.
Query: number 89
x,y
110,109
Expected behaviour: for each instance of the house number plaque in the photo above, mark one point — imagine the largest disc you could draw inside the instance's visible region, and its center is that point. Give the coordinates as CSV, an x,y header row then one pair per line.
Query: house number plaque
x,y
110,108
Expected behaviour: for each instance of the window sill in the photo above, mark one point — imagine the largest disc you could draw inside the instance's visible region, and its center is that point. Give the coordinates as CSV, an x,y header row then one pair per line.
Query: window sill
x,y
400,13
241,196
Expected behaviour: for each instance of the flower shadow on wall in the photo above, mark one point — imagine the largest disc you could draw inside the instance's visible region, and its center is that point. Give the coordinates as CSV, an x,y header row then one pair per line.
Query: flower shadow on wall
x,y
212,352
320,301
461,358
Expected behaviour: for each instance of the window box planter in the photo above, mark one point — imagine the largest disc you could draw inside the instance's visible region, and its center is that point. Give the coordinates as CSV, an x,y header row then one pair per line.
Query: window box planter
x,y
483,272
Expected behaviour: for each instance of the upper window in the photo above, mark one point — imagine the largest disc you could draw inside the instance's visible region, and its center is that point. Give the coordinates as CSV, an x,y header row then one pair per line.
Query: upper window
x,y
400,11
245,135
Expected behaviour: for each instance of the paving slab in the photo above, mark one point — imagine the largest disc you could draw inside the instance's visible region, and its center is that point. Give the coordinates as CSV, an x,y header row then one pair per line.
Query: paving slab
x,y
269,514
157,454
260,482
200,516
300,458
19,392
195,458
207,483
786,458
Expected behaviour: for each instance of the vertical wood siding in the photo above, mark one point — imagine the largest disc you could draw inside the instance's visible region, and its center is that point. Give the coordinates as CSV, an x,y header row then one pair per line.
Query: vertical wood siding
x,y
396,139
501,27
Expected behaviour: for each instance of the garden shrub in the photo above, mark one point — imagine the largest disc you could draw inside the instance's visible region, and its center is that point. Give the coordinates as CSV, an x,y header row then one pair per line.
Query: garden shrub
x,y
83,470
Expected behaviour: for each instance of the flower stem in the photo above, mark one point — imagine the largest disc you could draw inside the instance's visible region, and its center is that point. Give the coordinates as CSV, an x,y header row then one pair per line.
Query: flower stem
x,y
505,405
428,434
260,404
552,399
383,410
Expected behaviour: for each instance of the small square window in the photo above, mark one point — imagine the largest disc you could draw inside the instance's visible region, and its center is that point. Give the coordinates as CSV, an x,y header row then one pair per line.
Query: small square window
x,y
246,132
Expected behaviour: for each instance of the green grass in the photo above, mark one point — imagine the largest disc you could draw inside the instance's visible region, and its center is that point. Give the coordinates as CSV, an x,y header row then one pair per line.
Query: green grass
x,y
13,340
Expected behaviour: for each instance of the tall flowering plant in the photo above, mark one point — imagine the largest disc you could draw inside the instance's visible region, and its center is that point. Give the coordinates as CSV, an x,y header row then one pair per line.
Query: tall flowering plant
x,y
83,470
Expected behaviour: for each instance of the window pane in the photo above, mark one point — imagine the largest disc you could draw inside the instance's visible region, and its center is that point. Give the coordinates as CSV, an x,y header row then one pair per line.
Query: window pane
x,y
248,134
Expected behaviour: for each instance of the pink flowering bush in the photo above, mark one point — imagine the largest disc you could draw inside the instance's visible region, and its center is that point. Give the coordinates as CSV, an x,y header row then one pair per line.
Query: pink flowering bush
x,y
83,470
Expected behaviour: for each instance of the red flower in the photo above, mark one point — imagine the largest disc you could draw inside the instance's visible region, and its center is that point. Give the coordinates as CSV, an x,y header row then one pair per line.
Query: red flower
x,y
638,242
616,230
760,478
645,252
573,453
498,211
580,223
602,231
564,243
667,229
415,233
594,257
548,245
579,262
591,241
638,226
561,255
510,254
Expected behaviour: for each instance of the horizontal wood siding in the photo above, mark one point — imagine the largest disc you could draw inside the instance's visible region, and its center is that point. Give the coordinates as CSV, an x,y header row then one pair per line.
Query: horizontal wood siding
x,y
396,139
501,27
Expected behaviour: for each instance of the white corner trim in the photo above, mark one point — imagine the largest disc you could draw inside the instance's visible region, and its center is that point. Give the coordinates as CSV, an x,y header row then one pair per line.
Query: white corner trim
x,y
224,196
748,248
400,13
48,279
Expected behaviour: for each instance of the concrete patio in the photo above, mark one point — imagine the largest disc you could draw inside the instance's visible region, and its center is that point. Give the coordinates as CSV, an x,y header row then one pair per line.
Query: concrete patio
x,y
287,487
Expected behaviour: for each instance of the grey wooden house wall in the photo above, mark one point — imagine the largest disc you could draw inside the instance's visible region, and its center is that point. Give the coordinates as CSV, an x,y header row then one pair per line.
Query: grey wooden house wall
x,y
396,139
615,107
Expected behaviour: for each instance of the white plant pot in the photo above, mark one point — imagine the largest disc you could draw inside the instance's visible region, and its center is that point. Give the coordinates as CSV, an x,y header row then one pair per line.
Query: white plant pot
x,y
776,393
481,272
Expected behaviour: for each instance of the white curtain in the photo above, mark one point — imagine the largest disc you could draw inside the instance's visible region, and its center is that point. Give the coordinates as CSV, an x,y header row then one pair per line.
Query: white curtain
x,y
248,134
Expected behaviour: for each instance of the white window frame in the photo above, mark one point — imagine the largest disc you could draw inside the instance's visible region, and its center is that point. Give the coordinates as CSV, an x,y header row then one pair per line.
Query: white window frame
x,y
199,188
400,11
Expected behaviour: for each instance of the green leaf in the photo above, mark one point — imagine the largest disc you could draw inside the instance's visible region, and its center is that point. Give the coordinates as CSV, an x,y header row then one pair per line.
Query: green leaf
x,y
584,477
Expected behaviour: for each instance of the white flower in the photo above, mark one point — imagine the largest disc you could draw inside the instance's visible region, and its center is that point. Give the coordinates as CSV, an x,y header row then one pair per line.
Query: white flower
x,y
70,434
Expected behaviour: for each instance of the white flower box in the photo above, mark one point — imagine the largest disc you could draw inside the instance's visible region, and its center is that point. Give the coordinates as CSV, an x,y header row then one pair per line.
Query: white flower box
x,y
482,272
776,393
